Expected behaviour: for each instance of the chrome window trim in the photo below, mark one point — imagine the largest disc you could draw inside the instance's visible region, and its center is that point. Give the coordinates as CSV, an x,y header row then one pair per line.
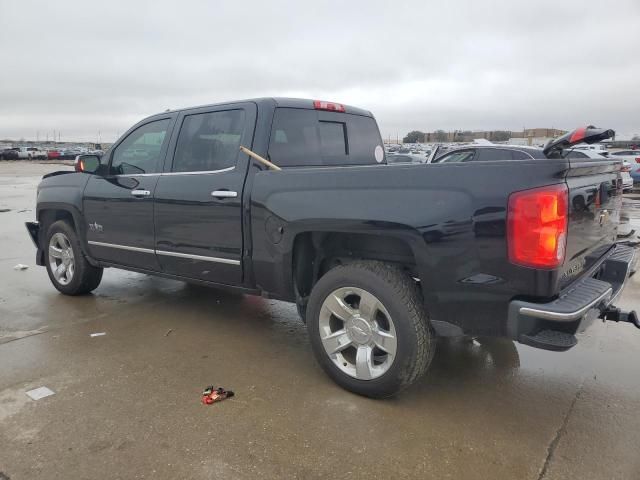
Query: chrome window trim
x,y
198,172
166,174
204,258
121,247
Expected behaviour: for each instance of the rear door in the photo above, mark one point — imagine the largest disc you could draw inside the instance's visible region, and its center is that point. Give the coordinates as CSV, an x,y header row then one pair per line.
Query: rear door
x,y
118,207
198,199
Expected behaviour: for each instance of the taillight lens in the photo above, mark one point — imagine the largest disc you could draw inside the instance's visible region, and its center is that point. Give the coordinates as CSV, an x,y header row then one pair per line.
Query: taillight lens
x,y
637,159
537,226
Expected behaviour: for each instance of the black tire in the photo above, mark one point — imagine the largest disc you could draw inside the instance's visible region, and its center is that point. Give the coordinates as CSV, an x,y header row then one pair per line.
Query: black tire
x,y
86,277
402,299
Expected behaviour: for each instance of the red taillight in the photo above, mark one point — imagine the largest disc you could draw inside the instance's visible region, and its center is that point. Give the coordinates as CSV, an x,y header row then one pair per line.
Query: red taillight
x,y
79,165
637,159
537,226
332,107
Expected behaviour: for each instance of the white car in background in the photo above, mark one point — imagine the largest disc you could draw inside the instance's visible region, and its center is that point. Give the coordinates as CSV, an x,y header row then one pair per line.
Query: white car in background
x,y
31,153
631,156
627,179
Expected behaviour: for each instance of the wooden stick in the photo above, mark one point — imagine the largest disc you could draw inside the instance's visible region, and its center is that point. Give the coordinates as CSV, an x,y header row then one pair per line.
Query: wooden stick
x,y
263,161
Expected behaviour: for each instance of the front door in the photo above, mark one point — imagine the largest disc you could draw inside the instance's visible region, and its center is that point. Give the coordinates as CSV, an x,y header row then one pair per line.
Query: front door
x,y
118,206
198,200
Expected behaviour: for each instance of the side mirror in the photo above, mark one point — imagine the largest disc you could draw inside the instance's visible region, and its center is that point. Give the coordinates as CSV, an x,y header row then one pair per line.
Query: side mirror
x,y
87,163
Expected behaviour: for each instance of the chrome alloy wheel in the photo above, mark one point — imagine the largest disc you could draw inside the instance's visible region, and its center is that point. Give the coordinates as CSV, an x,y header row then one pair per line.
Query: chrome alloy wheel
x,y
357,333
61,259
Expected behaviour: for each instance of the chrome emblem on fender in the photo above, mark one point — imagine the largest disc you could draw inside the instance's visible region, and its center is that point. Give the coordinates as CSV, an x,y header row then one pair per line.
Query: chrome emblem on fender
x,y
95,227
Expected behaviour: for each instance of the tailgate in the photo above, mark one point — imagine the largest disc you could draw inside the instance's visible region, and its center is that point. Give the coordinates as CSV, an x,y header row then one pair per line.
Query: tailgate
x,y
595,201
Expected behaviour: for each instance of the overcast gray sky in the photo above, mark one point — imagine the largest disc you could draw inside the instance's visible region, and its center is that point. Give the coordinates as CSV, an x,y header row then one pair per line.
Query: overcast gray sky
x,y
82,66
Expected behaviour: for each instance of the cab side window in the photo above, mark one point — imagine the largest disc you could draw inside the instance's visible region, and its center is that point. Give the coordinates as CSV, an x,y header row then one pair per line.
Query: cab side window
x,y
140,152
209,141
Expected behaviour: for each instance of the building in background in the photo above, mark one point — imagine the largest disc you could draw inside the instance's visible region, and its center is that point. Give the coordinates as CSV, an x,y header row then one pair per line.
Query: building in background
x,y
529,136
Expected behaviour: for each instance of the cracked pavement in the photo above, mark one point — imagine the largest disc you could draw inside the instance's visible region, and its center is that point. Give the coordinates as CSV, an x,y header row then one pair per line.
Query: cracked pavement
x,y
127,404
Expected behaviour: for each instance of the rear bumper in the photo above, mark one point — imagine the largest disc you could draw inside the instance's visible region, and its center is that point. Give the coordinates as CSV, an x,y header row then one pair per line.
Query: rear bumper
x,y
578,306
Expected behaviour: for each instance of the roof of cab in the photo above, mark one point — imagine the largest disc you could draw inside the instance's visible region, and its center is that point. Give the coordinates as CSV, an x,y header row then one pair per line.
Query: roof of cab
x,y
283,102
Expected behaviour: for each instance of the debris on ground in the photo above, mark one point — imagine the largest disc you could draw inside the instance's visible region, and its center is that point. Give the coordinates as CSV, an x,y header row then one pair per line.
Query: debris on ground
x,y
3,210
211,395
168,332
99,334
21,266
40,392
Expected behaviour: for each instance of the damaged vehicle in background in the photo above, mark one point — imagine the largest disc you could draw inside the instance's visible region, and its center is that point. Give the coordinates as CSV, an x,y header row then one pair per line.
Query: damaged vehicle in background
x,y
379,259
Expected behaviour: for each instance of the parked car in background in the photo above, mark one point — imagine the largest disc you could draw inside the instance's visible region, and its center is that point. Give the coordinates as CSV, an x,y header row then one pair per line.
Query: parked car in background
x,y
53,154
627,180
9,154
31,153
479,153
597,147
69,154
633,157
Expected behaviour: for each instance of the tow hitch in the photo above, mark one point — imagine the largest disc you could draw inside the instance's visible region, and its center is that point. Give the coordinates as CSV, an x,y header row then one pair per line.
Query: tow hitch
x,y
616,315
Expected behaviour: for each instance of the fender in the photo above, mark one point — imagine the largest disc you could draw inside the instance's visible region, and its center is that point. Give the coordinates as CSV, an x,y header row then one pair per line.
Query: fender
x,y
60,195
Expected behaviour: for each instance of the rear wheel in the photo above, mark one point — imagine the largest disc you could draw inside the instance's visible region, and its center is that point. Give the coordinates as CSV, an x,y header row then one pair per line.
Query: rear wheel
x,y
368,328
68,269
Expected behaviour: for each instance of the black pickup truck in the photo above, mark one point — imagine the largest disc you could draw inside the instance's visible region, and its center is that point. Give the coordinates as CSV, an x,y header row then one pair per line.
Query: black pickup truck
x,y
379,258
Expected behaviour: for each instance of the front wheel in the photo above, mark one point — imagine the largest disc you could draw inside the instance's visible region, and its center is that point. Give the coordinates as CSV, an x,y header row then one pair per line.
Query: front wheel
x,y
68,269
369,329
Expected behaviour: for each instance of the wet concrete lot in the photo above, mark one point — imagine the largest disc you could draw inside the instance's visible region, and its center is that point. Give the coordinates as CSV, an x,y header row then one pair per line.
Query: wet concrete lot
x,y
127,404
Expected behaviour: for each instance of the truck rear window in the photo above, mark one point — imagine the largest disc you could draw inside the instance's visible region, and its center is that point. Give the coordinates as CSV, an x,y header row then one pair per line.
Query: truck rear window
x,y
302,137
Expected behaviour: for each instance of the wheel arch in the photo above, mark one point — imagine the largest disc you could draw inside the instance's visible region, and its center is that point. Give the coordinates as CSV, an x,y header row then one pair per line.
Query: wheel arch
x,y
314,253
49,213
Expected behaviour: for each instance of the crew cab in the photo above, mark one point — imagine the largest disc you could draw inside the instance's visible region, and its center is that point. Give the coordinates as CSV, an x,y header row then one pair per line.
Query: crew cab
x,y
292,199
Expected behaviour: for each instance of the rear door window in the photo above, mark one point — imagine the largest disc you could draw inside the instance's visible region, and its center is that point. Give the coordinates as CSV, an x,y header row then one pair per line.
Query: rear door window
x,y
301,137
209,141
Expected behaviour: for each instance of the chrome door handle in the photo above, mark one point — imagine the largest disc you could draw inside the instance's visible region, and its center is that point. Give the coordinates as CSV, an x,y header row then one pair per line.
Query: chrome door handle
x,y
224,194
140,193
